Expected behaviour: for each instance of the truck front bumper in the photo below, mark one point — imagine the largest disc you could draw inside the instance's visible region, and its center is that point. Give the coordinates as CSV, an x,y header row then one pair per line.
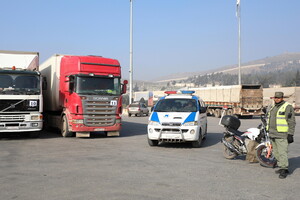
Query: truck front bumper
x,y
83,128
21,126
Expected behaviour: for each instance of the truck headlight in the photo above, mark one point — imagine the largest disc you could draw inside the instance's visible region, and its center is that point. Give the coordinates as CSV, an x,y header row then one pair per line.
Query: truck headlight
x,y
154,123
194,123
35,117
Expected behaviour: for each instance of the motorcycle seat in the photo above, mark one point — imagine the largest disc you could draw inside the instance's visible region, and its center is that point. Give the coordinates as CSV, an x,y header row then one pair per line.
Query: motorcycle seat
x,y
236,132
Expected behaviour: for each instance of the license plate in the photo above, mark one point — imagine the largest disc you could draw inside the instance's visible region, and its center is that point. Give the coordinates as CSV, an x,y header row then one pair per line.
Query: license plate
x,y
99,129
12,127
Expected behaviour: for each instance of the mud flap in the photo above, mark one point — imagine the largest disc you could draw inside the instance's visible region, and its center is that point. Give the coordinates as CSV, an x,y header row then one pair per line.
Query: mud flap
x,y
83,134
113,133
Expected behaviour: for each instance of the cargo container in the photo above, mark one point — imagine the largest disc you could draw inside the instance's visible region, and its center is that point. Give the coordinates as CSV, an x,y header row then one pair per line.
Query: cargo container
x,y
239,100
291,95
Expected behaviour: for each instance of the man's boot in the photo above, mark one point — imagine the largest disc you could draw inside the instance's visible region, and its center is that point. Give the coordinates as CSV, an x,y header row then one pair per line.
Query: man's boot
x,y
283,174
278,171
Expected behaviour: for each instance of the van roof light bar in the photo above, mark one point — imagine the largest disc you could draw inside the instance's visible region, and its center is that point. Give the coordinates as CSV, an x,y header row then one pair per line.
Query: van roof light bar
x,y
190,92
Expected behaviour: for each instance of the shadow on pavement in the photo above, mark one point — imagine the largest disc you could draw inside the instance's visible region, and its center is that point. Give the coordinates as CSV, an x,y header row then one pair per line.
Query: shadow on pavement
x,y
294,163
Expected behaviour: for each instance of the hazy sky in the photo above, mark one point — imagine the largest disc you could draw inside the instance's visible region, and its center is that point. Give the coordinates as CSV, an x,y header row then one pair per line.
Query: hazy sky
x,y
170,36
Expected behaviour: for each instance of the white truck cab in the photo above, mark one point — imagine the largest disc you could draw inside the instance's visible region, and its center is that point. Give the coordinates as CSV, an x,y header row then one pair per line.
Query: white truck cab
x,y
179,116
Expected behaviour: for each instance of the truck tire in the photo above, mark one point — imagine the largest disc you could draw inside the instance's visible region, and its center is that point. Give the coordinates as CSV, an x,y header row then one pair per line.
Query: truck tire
x,y
229,112
65,127
198,143
217,113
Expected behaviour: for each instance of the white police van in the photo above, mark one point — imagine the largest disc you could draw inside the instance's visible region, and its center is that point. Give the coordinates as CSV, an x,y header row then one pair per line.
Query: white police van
x,y
179,116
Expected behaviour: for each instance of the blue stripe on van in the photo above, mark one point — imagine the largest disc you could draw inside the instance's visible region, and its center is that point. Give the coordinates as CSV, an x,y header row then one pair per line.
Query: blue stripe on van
x,y
154,117
190,118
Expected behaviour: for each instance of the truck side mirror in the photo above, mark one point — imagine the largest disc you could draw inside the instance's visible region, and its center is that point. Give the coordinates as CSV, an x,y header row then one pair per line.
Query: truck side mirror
x,y
69,84
124,86
44,83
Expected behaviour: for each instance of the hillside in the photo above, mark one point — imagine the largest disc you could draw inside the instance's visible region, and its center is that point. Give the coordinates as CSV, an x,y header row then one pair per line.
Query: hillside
x,y
261,65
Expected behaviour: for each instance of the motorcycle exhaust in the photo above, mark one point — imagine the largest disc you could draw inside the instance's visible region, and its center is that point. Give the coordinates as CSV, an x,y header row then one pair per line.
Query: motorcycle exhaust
x,y
230,146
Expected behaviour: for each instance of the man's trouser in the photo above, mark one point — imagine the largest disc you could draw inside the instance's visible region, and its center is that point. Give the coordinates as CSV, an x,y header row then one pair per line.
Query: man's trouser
x,y
280,150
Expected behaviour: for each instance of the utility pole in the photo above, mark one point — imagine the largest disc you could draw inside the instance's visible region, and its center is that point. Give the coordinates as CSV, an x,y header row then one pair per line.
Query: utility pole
x,y
238,14
131,57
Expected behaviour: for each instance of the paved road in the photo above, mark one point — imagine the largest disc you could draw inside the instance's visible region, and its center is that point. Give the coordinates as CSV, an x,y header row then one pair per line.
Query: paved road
x,y
52,167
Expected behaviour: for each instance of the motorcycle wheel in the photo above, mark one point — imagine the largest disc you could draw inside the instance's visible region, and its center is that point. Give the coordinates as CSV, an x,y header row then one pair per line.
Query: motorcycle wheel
x,y
226,152
261,155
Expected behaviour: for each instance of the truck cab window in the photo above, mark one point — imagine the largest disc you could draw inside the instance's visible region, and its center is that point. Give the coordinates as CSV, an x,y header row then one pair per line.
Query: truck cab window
x,y
6,81
98,85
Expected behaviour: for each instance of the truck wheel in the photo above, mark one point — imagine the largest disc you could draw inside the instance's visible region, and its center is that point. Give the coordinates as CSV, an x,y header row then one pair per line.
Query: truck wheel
x,y
129,115
152,142
65,128
197,143
217,113
229,112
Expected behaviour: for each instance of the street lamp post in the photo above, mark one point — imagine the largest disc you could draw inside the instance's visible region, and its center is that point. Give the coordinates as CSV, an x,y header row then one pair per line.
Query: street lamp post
x,y
131,56
238,13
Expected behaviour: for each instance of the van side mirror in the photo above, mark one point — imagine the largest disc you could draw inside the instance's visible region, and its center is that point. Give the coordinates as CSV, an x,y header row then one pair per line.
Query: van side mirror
x,y
203,109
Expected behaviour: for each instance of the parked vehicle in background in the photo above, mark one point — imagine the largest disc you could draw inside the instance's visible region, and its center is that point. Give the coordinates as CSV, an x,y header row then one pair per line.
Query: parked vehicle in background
x,y
178,117
21,101
147,96
83,94
291,95
239,100
137,109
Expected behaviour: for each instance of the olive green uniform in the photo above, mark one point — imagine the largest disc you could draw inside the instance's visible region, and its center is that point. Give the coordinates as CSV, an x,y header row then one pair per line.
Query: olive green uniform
x,y
279,139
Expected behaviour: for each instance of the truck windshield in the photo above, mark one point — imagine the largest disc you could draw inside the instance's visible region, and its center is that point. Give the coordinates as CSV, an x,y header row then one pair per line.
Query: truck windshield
x,y
98,85
176,105
19,84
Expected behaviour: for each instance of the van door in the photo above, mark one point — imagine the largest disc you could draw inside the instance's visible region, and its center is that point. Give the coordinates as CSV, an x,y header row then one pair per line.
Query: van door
x,y
202,117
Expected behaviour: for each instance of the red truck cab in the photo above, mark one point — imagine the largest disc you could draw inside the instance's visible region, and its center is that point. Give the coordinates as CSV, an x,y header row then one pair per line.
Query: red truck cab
x,y
89,94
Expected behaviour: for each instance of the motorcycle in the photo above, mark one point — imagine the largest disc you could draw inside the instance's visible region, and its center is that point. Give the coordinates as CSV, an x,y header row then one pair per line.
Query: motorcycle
x,y
236,142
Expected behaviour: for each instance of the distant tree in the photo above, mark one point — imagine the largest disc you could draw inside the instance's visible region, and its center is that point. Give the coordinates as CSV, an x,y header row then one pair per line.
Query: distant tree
x,y
136,88
142,100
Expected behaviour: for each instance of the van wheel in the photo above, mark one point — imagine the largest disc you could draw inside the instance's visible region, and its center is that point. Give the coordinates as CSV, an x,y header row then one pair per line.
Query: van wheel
x,y
197,143
65,128
152,142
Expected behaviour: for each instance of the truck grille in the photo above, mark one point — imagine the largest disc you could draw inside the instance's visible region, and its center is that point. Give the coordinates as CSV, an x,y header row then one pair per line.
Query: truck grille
x,y
100,111
8,105
171,124
12,118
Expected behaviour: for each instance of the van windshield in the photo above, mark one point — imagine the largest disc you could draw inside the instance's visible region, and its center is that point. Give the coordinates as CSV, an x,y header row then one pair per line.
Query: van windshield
x,y
176,105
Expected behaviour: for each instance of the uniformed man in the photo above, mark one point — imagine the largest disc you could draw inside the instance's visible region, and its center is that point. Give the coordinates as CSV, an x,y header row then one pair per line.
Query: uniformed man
x,y
281,127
